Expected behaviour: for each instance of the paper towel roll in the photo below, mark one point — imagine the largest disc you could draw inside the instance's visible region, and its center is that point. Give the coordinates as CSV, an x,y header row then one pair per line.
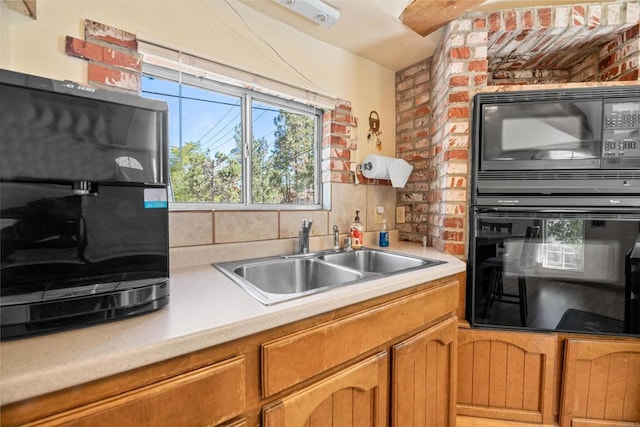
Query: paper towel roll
x,y
382,167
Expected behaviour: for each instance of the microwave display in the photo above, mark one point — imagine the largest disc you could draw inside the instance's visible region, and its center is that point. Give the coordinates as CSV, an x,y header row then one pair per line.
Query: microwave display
x,y
621,135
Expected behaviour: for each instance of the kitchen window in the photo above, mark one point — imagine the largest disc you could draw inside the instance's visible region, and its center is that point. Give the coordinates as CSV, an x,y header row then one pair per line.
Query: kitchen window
x,y
235,147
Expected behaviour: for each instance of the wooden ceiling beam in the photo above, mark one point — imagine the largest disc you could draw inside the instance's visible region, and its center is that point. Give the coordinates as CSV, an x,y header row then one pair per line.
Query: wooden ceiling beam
x,y
426,16
27,7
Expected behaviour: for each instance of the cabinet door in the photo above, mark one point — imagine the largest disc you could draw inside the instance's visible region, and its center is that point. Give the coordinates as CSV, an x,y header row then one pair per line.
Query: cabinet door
x,y
601,383
204,397
353,397
423,378
506,375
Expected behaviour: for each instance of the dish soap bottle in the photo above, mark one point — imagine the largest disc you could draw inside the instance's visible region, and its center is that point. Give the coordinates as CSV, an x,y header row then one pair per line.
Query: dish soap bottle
x,y
357,232
384,235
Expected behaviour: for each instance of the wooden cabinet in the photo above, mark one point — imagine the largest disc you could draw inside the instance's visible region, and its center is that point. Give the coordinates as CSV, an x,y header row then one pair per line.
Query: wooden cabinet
x,y
294,358
237,423
207,396
423,377
601,383
525,376
356,396
333,366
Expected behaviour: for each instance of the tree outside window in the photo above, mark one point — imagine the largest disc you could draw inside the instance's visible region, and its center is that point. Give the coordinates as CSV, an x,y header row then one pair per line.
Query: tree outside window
x,y
210,161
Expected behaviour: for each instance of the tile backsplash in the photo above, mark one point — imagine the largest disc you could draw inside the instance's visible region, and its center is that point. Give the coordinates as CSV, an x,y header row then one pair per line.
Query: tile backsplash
x,y
203,237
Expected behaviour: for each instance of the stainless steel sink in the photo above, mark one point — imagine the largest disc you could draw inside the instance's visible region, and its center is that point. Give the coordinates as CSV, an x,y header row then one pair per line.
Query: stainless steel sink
x,y
373,261
288,276
276,279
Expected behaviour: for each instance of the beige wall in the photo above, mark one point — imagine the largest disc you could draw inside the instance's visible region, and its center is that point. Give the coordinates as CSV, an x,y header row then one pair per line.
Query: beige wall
x,y
211,29
4,34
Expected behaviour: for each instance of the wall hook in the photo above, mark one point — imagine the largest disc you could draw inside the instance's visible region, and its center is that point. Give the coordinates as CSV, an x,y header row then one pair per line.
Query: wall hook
x,y
374,123
374,129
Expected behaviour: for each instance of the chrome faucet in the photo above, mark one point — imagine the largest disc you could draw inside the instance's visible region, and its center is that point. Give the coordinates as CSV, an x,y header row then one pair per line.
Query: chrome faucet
x,y
303,235
336,238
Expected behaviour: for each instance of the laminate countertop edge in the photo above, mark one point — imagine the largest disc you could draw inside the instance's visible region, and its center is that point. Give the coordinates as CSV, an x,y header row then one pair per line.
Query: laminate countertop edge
x,y
205,309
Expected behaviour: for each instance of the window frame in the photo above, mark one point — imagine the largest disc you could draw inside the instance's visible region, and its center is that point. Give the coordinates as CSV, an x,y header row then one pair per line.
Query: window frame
x,y
247,96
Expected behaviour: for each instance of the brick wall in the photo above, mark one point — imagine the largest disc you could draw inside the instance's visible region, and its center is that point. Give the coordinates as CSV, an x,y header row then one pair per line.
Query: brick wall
x,y
575,43
112,55
413,120
337,144
459,67
618,60
512,47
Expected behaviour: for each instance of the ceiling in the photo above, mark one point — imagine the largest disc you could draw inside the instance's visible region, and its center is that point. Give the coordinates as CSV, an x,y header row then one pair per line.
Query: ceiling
x,y
372,28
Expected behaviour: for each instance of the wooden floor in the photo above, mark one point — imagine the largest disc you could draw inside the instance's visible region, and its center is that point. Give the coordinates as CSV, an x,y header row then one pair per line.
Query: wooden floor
x,y
486,422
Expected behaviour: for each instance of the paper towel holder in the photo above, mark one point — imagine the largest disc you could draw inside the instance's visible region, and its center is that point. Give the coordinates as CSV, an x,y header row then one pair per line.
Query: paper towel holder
x,y
365,166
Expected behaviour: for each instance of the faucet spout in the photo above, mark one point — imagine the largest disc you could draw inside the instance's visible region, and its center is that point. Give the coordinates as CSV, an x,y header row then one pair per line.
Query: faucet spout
x,y
336,238
303,236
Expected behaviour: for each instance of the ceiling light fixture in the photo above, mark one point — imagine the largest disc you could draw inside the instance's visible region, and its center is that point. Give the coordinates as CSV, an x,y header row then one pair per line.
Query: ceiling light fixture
x,y
315,10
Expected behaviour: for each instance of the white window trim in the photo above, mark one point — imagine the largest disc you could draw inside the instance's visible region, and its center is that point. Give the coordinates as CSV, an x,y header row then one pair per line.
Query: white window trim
x,y
200,67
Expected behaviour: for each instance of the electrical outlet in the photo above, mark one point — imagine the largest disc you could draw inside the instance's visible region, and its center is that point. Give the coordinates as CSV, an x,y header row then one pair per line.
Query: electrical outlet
x,y
378,215
400,215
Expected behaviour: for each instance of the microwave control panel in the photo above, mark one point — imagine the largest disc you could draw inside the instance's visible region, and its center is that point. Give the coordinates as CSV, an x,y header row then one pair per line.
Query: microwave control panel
x,y
621,130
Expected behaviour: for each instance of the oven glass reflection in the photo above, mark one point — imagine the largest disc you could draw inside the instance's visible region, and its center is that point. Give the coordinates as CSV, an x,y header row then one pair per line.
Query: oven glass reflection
x,y
556,271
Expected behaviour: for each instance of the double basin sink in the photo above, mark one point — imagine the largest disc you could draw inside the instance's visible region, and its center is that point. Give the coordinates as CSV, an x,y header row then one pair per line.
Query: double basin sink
x,y
277,279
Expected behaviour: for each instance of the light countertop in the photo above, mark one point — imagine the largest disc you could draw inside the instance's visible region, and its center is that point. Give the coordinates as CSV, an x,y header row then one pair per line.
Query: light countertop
x,y
205,309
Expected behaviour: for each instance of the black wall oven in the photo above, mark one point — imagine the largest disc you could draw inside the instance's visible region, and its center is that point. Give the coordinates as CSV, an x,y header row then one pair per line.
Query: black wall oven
x,y
555,215
555,269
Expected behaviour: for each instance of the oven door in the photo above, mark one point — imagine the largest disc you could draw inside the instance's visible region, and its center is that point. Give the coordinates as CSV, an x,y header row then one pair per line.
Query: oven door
x,y
552,269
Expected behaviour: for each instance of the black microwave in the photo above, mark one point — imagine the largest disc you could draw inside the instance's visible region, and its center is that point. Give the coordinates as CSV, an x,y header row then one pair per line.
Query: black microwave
x,y
583,140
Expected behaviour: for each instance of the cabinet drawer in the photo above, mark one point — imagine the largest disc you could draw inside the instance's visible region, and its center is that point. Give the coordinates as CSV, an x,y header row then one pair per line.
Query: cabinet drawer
x,y
295,358
206,396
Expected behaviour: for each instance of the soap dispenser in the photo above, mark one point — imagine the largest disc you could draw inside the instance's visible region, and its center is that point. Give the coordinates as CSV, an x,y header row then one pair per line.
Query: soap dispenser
x,y
357,232
384,235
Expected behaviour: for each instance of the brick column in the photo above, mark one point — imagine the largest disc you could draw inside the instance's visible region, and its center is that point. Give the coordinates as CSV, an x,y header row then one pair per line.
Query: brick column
x,y
413,119
459,67
337,144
